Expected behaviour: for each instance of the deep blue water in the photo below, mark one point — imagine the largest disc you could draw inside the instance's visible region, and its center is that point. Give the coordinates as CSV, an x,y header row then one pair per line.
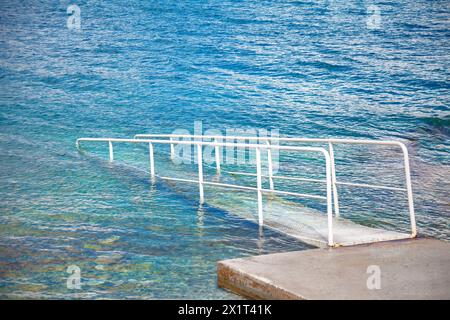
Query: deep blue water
x,y
305,68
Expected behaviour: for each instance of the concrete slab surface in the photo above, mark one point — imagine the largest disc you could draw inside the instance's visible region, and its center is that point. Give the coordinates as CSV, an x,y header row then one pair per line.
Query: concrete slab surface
x,y
408,269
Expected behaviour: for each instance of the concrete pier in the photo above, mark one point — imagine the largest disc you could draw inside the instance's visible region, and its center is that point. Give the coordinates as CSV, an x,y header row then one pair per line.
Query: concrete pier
x,y
404,269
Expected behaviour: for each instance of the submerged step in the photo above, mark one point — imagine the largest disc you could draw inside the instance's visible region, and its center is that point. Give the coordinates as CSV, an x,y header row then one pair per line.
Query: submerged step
x,y
407,269
311,226
301,222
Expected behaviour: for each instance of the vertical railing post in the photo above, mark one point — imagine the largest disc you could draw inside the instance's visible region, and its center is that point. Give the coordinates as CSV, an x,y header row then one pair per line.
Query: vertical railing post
x,y
270,165
111,151
172,150
333,180
329,201
200,172
412,216
217,154
259,186
152,161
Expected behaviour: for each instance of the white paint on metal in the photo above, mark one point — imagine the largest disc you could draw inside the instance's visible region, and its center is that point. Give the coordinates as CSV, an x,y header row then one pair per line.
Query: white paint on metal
x,y
331,181
217,155
172,150
412,216
111,151
329,201
200,172
151,158
270,166
259,186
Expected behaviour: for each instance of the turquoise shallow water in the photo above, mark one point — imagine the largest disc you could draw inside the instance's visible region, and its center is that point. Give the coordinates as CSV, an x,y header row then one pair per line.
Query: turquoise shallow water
x,y
304,68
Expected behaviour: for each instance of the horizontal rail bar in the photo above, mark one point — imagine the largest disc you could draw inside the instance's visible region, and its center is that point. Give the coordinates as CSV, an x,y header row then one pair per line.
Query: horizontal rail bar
x,y
177,179
312,149
203,143
324,140
235,186
293,148
286,139
303,195
353,184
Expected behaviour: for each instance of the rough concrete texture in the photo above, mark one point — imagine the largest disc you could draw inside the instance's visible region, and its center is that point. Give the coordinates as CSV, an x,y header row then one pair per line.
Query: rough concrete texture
x,y
409,269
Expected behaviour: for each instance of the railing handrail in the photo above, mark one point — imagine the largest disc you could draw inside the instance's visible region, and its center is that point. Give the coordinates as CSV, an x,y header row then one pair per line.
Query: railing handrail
x,y
330,180
286,139
259,188
330,141
204,143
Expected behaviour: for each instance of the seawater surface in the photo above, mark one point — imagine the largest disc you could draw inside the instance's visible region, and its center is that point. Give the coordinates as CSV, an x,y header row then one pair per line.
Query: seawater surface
x,y
304,68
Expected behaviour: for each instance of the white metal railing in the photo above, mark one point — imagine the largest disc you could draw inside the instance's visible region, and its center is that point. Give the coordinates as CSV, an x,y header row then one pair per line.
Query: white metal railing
x,y
259,189
330,142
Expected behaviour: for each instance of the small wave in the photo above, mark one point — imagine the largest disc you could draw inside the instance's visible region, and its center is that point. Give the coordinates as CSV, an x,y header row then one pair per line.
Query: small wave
x,y
326,66
436,125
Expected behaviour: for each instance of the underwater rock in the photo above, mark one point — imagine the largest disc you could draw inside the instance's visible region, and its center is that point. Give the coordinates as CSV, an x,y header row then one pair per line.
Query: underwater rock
x,y
109,240
108,259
